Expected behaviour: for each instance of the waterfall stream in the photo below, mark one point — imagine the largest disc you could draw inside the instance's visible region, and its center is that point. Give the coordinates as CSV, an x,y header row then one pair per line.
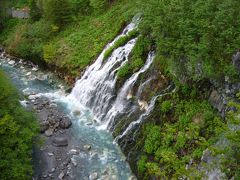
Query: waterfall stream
x,y
121,102
144,115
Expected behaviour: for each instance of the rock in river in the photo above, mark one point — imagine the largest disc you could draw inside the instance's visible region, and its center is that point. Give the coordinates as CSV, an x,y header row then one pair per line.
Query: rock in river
x,y
65,123
60,141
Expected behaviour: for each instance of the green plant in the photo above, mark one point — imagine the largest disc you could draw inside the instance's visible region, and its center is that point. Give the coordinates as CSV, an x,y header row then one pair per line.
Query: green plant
x,y
166,106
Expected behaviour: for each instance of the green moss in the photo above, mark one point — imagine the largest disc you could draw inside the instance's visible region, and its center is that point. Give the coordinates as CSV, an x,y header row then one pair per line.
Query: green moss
x,y
120,42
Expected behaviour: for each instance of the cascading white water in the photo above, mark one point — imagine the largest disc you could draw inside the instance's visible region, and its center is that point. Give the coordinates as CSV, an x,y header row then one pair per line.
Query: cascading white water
x,y
145,114
121,101
95,89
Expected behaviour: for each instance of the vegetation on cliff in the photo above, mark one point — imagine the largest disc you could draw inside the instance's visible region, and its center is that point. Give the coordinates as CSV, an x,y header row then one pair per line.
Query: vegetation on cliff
x,y
17,130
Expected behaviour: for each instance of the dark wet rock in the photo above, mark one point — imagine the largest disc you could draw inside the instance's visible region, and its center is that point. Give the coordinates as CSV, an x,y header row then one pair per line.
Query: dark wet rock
x,y
60,141
76,113
65,123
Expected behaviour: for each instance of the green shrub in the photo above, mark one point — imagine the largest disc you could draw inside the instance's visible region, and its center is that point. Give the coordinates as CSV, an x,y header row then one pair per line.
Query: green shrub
x,y
166,106
142,164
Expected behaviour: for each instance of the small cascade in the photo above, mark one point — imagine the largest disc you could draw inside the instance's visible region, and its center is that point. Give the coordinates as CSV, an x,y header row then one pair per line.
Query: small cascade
x,y
121,103
142,86
95,89
145,114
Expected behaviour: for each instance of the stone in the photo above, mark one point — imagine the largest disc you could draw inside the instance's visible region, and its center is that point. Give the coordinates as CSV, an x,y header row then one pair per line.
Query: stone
x,y
65,123
49,132
60,141
76,113
52,170
44,176
73,152
61,175
12,62
87,147
43,115
93,176
28,74
74,162
50,154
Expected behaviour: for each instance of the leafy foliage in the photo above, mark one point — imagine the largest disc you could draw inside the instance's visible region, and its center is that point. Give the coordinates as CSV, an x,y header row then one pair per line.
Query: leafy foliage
x,y
17,130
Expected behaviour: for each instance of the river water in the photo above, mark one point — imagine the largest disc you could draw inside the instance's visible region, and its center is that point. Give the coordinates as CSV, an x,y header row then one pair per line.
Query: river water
x,y
104,154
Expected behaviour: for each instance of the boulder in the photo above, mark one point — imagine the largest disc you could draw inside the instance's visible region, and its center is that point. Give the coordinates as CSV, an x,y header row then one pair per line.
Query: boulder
x,y
60,141
65,123
76,113
43,115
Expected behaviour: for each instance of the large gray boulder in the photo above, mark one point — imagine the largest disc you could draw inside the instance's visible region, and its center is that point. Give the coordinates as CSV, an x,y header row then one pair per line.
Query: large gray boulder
x,y
60,141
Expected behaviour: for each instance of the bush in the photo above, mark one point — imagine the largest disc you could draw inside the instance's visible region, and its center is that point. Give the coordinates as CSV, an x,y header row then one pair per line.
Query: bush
x,y
17,130
166,106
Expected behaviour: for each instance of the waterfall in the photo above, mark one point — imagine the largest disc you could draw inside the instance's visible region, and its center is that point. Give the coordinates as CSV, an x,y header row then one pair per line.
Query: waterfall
x,y
121,102
95,89
145,114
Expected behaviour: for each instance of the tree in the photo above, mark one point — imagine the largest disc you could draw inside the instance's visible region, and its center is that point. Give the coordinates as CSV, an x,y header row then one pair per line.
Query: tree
x,y
35,12
59,12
